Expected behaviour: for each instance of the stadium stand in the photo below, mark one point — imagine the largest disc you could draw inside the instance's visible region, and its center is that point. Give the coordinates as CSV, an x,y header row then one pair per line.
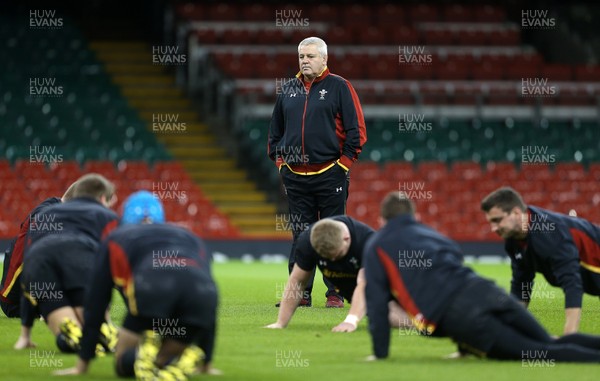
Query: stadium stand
x,y
454,71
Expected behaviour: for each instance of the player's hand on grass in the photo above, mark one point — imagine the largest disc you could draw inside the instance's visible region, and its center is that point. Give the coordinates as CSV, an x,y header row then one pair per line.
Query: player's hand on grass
x,y
24,342
344,327
209,370
80,368
66,372
274,326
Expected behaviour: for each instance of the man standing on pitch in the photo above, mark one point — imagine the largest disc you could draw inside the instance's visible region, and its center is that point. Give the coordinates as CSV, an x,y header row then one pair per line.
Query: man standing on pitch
x,y
317,132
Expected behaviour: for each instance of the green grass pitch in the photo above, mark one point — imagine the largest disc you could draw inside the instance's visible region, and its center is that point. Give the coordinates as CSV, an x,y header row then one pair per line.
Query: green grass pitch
x,y
307,349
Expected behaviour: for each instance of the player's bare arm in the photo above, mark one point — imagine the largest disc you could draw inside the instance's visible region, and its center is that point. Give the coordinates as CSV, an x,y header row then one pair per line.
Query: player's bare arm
x,y
358,307
292,295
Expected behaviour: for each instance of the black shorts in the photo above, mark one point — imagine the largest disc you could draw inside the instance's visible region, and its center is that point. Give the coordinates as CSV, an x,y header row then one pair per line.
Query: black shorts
x,y
173,303
56,271
467,319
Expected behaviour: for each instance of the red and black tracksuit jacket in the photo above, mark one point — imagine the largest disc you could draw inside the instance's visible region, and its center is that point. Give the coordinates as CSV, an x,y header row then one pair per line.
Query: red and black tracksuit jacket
x,y
13,262
314,124
562,248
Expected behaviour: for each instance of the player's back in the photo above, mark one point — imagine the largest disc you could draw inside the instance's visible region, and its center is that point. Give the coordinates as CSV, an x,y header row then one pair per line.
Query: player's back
x,y
83,217
159,246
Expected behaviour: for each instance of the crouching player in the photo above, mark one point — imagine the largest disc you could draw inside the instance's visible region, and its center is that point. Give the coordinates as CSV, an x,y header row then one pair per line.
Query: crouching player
x,y
163,274
335,245
63,243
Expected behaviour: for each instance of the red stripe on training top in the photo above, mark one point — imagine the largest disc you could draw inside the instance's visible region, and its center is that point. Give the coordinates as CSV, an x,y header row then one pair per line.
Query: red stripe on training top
x,y
119,265
16,258
589,250
398,287
112,225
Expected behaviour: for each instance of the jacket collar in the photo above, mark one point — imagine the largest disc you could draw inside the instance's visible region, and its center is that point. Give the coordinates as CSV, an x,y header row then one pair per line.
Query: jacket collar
x,y
320,77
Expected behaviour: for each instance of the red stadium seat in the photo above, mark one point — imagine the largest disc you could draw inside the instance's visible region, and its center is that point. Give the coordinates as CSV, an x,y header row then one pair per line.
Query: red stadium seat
x,y
457,13
207,36
423,13
192,11
416,72
504,37
105,168
238,36
438,37
569,171
275,37
588,73
399,170
433,170
487,71
575,96
557,72
223,12
471,37
371,36
357,14
489,14
340,35
389,14
451,70
257,12
466,170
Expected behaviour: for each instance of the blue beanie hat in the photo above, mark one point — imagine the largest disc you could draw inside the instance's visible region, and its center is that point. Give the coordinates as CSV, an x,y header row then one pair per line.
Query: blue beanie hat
x,y
141,205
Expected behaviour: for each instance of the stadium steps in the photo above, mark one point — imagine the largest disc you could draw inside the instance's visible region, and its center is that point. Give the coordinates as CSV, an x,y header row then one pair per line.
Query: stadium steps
x,y
151,90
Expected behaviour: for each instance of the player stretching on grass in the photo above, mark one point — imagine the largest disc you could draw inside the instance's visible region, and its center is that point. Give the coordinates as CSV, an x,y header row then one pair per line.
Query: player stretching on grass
x,y
446,299
335,245
63,240
566,250
163,274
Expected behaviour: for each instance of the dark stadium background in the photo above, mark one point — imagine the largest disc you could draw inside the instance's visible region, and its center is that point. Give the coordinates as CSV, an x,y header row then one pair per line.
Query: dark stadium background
x,y
175,97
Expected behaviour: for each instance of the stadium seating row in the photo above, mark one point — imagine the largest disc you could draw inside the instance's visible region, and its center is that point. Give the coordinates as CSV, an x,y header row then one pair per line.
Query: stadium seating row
x,y
447,198
269,33
373,14
25,184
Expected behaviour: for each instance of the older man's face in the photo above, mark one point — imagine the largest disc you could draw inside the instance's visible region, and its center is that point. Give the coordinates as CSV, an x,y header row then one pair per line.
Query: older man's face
x,y
311,62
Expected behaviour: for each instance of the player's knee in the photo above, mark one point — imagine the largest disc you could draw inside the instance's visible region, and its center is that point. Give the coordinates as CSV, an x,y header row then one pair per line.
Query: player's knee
x,y
124,364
